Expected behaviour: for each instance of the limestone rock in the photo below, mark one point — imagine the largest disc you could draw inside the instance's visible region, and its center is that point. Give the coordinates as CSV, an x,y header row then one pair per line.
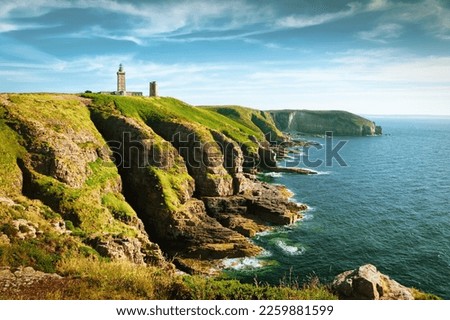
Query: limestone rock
x,y
25,229
367,283
119,249
254,211
201,153
15,280
173,218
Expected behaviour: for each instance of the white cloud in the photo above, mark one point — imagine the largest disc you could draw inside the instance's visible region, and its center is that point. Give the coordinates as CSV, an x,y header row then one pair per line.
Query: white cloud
x,y
430,15
382,33
6,27
302,21
376,5
155,18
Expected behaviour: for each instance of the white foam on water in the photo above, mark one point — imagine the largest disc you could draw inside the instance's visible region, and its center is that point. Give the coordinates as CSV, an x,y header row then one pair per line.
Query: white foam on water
x,y
273,174
320,172
290,250
263,233
307,216
247,263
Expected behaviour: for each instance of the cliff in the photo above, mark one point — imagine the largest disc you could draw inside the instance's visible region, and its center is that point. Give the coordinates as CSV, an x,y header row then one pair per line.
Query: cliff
x,y
101,195
341,123
133,179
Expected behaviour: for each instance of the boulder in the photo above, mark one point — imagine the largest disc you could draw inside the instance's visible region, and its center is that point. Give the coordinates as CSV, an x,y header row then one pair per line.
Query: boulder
x,y
367,283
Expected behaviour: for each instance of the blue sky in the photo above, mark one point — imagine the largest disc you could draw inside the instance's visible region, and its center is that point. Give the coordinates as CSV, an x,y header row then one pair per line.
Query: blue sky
x,y
364,56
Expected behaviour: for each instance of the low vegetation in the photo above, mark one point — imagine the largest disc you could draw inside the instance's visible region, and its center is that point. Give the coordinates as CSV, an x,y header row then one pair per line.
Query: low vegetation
x,y
94,278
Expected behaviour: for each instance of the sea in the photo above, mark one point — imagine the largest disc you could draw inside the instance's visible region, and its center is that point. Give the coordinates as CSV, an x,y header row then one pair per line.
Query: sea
x,y
385,202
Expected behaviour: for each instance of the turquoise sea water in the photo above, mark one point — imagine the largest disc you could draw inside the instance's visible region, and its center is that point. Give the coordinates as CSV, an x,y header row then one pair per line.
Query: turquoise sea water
x,y
390,207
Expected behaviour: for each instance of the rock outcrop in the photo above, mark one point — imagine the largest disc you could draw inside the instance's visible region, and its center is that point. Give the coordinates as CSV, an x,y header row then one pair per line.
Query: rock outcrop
x,y
367,283
158,186
341,123
13,281
122,177
67,179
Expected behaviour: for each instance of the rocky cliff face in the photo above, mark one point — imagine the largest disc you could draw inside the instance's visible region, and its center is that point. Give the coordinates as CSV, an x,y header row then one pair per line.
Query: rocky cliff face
x,y
123,177
69,191
341,123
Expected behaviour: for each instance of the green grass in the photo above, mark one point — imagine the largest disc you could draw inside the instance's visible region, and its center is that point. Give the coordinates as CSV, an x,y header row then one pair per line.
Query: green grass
x,y
237,124
83,206
29,253
59,113
258,121
172,185
103,172
117,205
203,288
65,115
10,151
100,279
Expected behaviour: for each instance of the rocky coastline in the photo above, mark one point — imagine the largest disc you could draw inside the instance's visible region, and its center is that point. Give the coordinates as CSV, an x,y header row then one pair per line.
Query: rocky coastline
x,y
150,182
147,188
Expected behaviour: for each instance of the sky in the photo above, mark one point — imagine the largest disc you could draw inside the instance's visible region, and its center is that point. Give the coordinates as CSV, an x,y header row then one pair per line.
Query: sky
x,y
363,56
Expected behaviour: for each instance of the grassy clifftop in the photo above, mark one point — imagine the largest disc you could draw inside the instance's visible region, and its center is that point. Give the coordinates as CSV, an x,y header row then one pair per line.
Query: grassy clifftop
x,y
237,123
318,122
62,204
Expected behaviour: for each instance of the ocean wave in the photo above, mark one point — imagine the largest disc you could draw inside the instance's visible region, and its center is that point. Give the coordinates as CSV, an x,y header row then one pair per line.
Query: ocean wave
x,y
272,174
290,250
247,263
263,233
320,172
307,216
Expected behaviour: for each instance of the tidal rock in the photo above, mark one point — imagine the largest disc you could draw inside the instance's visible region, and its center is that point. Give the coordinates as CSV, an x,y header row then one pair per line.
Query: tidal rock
x,y
266,205
367,283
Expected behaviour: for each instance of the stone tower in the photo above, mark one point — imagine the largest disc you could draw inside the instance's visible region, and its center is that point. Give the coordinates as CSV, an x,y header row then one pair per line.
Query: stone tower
x,y
121,88
153,89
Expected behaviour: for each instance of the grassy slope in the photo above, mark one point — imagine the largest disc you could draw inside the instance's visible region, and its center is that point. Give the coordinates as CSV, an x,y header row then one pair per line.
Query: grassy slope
x,y
259,121
237,126
88,210
336,116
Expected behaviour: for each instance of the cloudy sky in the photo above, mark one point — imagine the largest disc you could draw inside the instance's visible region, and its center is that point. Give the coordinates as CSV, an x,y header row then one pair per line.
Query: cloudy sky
x,y
364,56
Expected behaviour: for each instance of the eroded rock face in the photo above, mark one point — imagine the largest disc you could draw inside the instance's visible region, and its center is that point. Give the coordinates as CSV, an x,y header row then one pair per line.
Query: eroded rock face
x,y
341,123
62,154
25,229
138,251
158,185
233,162
367,283
202,155
266,205
66,164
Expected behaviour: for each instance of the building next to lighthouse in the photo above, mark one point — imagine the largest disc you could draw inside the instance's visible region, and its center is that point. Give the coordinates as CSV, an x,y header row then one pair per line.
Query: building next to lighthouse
x,y
122,87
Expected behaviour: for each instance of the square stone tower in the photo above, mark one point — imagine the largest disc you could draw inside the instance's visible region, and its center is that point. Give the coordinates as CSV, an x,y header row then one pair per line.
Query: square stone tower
x,y
153,89
121,88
